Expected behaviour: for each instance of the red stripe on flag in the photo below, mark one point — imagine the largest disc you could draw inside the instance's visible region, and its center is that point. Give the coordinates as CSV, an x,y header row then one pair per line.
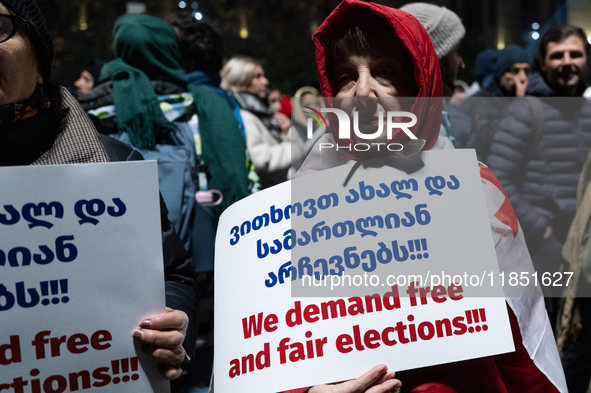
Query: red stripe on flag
x,y
505,214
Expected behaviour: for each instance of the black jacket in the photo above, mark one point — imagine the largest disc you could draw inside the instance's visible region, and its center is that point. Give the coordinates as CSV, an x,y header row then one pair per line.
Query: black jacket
x,y
487,108
542,187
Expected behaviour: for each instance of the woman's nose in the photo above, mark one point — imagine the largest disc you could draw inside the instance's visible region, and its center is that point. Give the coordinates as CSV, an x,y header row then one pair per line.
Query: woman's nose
x,y
365,86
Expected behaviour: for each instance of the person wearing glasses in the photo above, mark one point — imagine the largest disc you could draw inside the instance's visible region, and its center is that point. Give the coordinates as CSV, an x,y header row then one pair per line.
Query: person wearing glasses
x,y
42,124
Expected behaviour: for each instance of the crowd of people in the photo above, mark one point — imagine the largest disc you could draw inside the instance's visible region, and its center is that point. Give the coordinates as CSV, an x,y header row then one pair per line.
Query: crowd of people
x,y
221,132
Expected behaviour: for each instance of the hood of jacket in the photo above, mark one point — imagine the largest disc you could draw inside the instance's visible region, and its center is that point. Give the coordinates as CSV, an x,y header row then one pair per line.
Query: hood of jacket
x,y
414,37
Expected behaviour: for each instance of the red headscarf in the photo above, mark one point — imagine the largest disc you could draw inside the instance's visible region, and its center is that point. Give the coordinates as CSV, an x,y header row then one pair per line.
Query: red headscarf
x,y
416,40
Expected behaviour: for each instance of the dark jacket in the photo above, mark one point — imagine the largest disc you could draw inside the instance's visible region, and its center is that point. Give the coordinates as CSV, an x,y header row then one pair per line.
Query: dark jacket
x,y
461,131
542,187
487,107
492,90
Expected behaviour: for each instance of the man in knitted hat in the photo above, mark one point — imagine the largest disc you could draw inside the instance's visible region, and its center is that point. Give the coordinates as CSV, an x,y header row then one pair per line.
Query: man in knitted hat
x,y
512,72
89,77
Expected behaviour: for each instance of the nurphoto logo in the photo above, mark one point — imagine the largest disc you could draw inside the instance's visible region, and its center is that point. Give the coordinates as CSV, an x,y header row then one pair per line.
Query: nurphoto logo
x,y
393,122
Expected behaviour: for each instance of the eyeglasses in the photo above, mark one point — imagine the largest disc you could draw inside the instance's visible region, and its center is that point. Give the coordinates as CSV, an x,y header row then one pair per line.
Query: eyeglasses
x,y
9,25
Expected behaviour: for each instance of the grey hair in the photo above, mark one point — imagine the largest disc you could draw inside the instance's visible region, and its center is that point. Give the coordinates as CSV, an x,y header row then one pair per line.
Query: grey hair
x,y
238,73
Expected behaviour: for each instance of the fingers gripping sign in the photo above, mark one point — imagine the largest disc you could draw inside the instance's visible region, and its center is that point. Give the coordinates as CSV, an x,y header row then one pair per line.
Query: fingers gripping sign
x,y
376,380
162,337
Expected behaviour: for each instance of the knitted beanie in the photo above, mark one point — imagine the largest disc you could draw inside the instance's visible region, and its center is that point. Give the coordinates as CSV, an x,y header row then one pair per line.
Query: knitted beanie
x,y
512,54
29,11
485,65
444,27
94,67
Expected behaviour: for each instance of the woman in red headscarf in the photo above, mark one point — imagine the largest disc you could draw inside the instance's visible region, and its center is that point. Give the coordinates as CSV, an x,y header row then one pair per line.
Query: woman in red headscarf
x,y
369,55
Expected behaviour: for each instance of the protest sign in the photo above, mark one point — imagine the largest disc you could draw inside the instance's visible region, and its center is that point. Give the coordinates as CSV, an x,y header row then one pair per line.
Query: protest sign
x,y
295,240
81,265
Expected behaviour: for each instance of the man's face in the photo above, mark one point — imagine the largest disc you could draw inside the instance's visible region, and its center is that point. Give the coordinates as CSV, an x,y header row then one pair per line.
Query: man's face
x,y
84,84
275,100
451,64
564,64
518,73
370,84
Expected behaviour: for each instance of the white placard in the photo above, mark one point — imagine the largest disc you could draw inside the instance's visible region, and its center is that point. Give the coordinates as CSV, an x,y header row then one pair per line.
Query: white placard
x,y
268,341
80,266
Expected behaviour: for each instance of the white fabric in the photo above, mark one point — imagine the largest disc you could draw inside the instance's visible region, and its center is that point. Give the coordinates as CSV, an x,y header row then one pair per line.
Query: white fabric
x,y
265,151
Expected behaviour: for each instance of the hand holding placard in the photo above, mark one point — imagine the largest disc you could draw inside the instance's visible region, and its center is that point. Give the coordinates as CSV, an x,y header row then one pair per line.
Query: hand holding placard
x,y
70,296
162,336
384,237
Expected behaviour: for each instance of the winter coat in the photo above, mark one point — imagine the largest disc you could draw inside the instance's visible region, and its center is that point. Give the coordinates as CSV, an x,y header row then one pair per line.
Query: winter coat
x,y
535,365
461,129
487,108
270,150
542,187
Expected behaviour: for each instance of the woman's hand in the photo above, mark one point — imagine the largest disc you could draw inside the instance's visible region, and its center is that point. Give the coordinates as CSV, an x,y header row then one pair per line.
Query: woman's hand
x,y
162,337
376,380
283,121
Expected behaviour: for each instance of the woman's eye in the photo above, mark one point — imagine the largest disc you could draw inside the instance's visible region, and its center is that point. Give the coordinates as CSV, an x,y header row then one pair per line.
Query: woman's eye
x,y
344,77
5,27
